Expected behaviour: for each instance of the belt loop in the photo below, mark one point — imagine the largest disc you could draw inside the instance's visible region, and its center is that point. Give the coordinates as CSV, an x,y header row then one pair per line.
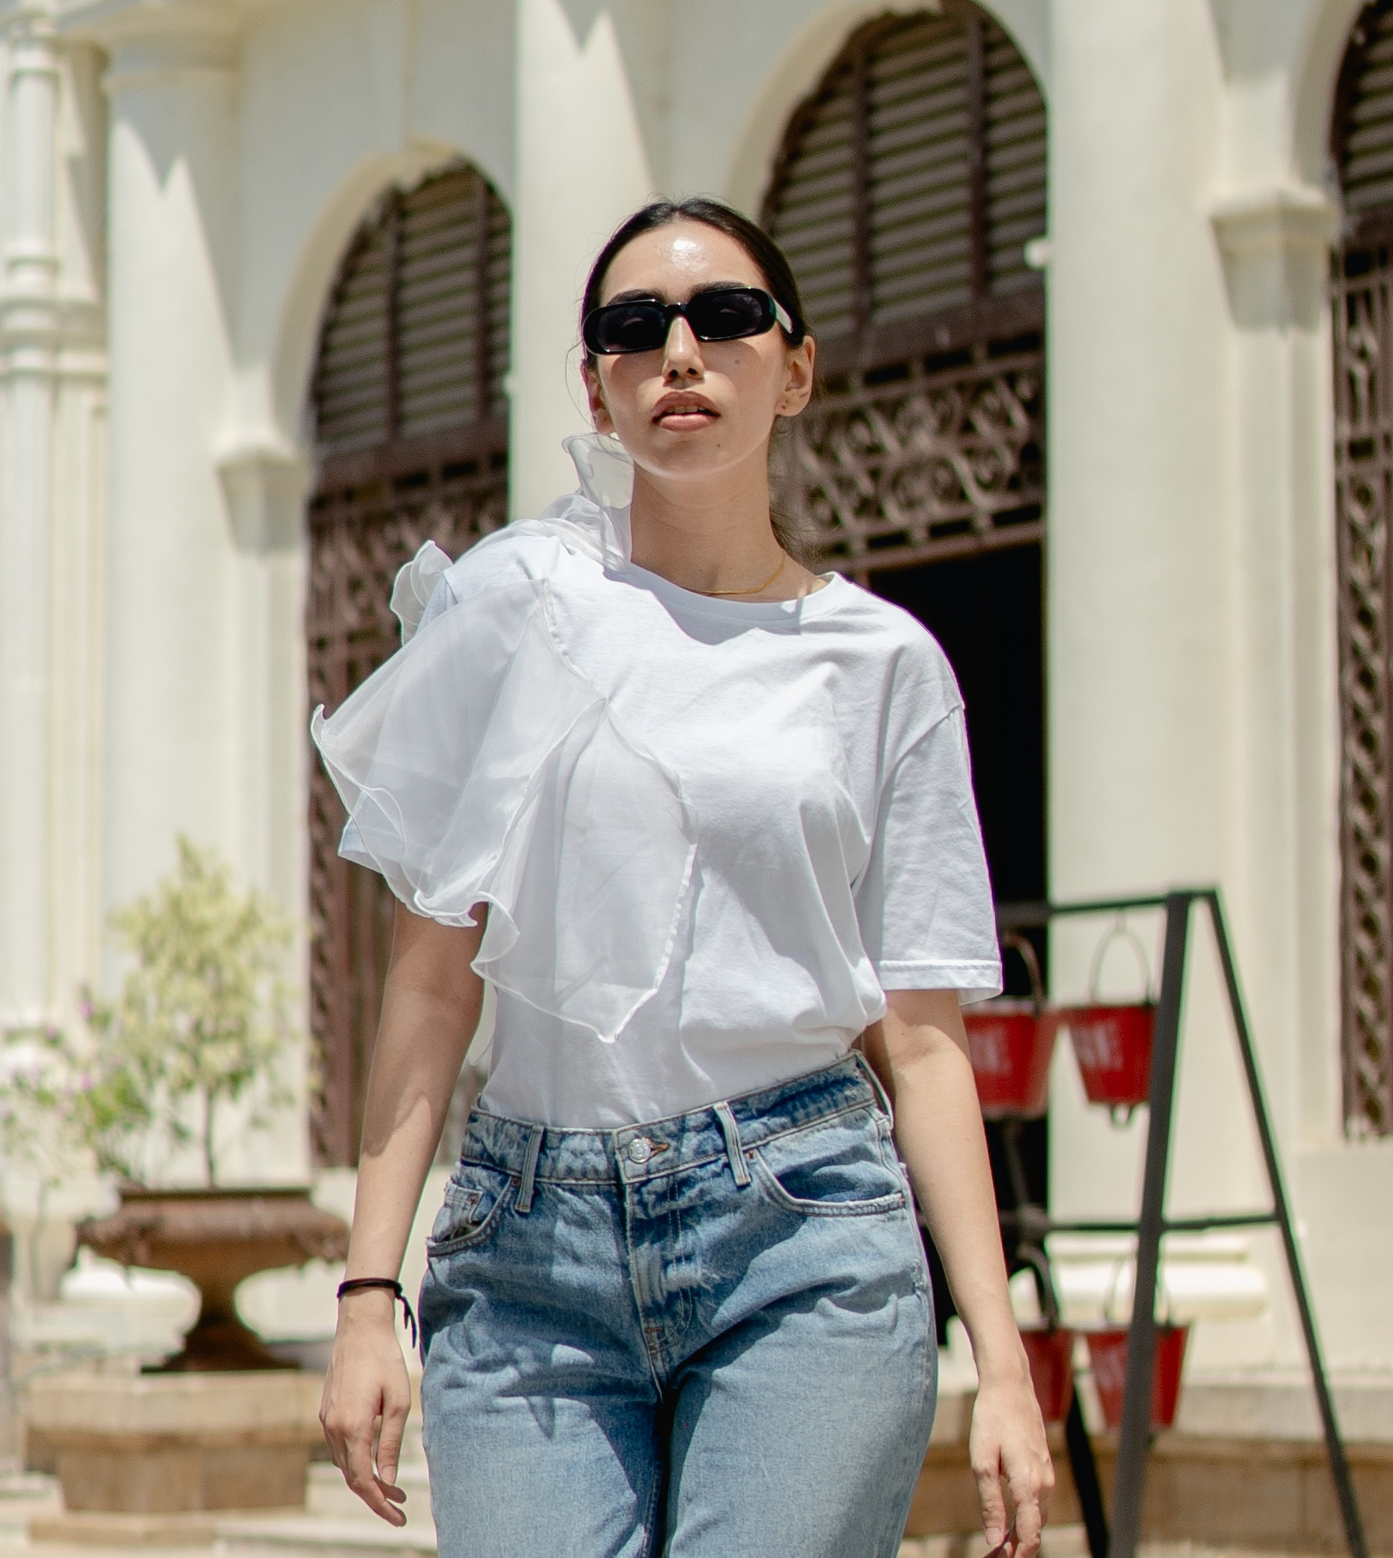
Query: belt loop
x,y
875,1082
528,1182
731,1131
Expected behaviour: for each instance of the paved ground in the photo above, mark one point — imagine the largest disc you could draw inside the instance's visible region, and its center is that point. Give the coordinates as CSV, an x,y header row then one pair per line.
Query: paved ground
x,y
1060,1542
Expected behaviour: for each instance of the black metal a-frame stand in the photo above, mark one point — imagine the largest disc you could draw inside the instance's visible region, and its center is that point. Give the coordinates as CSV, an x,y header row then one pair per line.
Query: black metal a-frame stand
x,y
1033,1224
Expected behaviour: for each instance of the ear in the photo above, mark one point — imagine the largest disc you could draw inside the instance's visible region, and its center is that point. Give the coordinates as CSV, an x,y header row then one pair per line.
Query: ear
x,y
600,418
798,385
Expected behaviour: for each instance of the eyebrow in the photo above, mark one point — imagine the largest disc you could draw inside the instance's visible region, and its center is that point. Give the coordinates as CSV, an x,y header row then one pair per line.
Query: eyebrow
x,y
648,295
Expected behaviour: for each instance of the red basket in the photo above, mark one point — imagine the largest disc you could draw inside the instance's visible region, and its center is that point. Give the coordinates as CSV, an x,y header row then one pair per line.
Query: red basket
x,y
1112,1045
1011,1044
1050,1350
1107,1352
1113,1040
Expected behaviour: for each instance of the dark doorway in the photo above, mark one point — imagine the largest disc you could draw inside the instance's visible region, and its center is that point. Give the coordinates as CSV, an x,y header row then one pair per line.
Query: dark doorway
x,y
986,611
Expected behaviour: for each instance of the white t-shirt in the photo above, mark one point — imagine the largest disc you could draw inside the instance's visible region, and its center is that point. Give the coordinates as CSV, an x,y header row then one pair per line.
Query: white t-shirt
x,y
723,828
821,744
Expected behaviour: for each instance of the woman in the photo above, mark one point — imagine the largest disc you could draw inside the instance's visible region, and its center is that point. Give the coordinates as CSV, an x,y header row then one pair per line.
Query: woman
x,y
704,819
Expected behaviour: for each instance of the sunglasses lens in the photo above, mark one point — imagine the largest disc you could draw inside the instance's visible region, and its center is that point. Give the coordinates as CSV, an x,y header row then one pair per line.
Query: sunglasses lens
x,y
625,327
726,316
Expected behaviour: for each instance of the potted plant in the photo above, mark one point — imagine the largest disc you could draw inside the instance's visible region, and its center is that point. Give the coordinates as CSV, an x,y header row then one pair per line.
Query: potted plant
x,y
54,1109
198,1025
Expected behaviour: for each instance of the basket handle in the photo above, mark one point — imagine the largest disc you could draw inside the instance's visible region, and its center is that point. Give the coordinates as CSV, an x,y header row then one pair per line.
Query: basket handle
x,y
1022,946
1120,931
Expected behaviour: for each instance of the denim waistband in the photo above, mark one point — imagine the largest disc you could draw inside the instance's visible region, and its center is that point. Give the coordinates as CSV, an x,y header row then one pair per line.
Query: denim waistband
x,y
654,1148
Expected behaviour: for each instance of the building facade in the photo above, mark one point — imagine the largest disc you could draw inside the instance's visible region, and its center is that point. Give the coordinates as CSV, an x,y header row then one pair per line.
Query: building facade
x,y
1101,294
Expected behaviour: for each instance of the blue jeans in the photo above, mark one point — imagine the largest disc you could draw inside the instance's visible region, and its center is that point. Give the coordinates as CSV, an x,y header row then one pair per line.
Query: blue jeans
x,y
705,1337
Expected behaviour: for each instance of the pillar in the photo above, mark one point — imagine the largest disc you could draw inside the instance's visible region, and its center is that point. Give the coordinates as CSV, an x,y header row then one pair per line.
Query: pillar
x,y
581,168
171,738
1146,713
52,373
29,341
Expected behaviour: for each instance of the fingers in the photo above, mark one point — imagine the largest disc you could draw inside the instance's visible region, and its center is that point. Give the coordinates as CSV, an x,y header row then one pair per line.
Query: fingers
x,y
1030,1487
1028,1524
993,1504
393,1425
358,1473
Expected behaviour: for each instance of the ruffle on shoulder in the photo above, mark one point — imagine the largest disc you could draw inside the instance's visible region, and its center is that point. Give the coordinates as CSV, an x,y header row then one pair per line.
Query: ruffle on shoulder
x,y
478,765
414,585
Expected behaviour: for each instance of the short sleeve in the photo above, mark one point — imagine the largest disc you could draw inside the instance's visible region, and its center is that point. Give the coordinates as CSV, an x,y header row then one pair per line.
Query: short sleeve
x,y
924,901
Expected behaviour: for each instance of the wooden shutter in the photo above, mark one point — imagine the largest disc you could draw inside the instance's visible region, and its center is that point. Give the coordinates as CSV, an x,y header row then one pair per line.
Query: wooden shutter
x,y
1362,144
350,387
415,342
1363,125
906,189
911,180
411,428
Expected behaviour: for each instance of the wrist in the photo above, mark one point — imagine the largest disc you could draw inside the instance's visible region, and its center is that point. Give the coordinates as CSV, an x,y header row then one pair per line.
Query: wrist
x,y
1003,1371
1000,1360
373,1304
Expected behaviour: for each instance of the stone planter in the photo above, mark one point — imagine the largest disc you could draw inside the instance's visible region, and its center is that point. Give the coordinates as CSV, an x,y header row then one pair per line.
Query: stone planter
x,y
217,1238
174,1444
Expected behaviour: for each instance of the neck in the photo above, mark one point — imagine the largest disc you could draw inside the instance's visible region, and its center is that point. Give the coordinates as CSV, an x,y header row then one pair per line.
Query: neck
x,y
712,536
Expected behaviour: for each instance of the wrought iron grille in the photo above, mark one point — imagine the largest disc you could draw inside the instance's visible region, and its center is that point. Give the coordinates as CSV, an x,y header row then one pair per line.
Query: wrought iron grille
x,y
906,190
413,446
1363,338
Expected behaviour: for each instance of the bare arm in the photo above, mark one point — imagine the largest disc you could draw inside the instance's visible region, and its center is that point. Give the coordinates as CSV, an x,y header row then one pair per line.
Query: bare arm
x,y
919,1051
430,1008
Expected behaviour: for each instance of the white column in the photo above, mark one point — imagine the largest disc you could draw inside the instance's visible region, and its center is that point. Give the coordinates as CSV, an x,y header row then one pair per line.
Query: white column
x,y
581,168
1276,248
1144,585
29,338
171,739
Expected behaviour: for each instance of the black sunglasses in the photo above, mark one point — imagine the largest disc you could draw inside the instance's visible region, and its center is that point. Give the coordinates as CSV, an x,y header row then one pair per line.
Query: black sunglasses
x,y
723,314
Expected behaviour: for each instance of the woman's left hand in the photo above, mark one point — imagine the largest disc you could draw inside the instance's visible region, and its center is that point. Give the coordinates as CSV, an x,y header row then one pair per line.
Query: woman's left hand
x,y
1007,1442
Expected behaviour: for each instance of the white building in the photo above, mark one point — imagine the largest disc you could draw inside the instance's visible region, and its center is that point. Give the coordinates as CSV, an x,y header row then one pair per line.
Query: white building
x,y
288,285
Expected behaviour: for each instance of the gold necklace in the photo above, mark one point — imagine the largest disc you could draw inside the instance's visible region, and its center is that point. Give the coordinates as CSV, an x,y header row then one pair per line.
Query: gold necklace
x,y
758,588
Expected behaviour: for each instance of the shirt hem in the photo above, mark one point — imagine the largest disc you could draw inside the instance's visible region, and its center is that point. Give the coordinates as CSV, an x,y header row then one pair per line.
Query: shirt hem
x,y
973,981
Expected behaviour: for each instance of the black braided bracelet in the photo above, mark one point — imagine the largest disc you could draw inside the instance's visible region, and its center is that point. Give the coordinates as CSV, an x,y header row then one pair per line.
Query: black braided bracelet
x,y
357,1284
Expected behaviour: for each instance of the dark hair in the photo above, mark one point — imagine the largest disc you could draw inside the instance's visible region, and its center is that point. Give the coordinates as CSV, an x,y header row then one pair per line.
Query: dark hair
x,y
794,537
760,247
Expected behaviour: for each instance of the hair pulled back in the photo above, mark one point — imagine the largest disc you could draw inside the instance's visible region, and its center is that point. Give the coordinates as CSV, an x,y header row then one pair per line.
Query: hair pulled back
x,y
761,248
794,536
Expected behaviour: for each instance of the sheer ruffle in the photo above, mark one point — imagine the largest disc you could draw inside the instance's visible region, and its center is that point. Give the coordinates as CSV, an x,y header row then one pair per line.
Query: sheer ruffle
x,y
415,584
478,765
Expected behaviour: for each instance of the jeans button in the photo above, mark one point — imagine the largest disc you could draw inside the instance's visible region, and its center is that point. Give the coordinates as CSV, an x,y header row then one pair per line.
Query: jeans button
x,y
640,1150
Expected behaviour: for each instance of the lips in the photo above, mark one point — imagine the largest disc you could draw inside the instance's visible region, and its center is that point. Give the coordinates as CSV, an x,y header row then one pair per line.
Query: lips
x,y
684,411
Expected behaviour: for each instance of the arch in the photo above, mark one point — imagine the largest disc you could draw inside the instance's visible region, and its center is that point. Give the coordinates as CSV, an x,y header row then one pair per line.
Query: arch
x,y
906,191
1315,81
804,60
1361,141
295,340
409,420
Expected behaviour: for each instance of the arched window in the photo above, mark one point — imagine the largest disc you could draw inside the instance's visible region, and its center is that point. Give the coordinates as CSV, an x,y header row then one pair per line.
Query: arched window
x,y
1362,145
905,194
411,435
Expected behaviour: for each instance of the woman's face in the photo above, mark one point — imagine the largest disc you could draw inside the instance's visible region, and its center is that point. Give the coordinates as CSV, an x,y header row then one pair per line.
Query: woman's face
x,y
694,409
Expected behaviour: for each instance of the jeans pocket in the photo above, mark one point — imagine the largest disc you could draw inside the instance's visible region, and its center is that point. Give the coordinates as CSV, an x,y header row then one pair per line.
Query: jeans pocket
x,y
832,1168
475,1198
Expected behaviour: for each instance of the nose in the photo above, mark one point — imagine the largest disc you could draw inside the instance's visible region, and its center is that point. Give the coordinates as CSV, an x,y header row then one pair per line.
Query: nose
x,y
682,352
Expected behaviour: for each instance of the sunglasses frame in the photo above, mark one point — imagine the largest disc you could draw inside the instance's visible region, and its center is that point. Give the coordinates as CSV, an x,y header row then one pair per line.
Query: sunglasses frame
x,y
774,314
